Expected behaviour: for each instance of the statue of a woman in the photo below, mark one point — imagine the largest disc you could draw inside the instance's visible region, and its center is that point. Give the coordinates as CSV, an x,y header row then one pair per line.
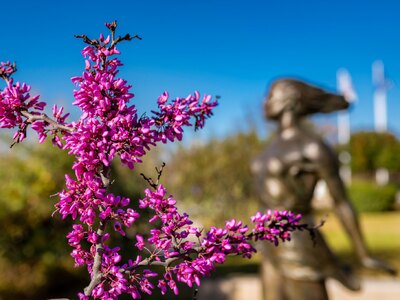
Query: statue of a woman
x,y
287,173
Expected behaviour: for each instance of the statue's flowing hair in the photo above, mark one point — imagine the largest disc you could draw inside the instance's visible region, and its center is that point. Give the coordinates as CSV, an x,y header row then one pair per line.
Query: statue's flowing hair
x,y
300,98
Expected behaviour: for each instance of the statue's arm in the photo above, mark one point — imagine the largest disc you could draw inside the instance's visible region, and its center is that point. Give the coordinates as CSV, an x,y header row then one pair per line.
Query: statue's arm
x,y
329,171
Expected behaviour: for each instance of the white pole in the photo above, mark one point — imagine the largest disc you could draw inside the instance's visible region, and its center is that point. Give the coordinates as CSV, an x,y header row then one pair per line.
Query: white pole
x,y
345,87
380,110
343,127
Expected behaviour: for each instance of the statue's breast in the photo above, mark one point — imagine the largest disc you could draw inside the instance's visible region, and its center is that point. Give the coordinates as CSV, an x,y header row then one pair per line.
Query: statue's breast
x,y
286,174
291,157
274,166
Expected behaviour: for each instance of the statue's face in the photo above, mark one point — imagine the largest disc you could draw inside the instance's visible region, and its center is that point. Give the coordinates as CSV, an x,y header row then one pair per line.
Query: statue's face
x,y
281,97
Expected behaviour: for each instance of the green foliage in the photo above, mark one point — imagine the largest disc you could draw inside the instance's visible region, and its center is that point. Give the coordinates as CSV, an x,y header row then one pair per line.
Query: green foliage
x,y
34,255
366,196
213,180
32,244
372,150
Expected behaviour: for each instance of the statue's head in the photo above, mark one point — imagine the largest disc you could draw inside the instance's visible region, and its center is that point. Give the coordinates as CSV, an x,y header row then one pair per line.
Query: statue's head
x,y
301,99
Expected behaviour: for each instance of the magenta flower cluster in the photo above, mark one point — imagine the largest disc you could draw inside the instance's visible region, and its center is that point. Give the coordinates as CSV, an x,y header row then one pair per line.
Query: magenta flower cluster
x,y
14,100
110,127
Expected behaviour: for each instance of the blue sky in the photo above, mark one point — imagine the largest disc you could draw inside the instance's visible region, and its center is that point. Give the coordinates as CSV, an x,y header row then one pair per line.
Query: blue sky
x,y
228,48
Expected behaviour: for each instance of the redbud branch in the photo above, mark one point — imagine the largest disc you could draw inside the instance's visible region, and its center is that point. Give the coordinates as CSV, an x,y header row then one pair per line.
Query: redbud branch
x,y
197,250
159,172
43,117
113,26
166,263
313,229
196,291
104,174
86,39
126,37
96,270
150,180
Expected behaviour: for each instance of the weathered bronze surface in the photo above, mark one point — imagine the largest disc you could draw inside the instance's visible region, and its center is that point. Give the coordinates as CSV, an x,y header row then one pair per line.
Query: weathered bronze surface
x,y
286,173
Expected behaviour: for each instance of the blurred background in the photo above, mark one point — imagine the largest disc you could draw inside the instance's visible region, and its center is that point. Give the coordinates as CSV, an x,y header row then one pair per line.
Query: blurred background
x,y
227,48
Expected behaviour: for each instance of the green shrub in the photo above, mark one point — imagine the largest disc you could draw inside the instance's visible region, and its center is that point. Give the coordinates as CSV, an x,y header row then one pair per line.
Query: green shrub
x,y
367,196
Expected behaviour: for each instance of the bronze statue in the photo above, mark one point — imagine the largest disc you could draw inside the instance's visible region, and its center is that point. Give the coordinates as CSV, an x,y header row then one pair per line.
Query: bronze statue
x,y
286,175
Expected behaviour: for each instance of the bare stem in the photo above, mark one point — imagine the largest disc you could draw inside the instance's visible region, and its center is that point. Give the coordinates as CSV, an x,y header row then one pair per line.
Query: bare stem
x,y
166,263
43,117
126,37
150,181
96,271
97,274
114,41
87,40
196,291
104,175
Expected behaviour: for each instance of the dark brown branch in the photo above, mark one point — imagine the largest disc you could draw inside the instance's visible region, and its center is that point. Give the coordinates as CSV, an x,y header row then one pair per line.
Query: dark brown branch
x,y
159,172
196,291
43,117
104,175
150,261
114,41
313,229
126,37
87,40
150,181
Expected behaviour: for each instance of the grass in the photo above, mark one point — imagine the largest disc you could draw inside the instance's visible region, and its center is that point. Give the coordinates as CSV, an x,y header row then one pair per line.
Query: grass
x,y
382,236
381,231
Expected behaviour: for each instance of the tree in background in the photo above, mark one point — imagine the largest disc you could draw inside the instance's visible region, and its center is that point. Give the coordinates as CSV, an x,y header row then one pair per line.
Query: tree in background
x,y
32,243
372,150
33,256
213,178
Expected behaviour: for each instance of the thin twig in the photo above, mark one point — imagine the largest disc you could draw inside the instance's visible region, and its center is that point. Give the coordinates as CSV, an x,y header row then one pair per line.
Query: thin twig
x,y
87,40
43,117
150,261
159,172
150,181
104,175
114,41
196,291
126,37
314,229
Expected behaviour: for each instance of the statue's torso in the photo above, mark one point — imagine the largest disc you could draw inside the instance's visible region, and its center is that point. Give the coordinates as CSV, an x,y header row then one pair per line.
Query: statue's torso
x,y
288,170
286,173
